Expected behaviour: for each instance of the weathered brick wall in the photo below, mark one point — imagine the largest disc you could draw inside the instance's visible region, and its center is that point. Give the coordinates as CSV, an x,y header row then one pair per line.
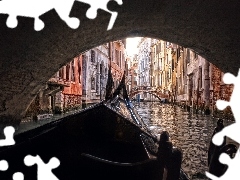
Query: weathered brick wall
x,y
220,90
75,85
117,66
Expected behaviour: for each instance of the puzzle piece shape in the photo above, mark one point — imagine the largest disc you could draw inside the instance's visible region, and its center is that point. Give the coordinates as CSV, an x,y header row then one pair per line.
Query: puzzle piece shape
x,y
18,176
44,171
101,4
8,132
232,130
233,167
36,8
3,165
234,102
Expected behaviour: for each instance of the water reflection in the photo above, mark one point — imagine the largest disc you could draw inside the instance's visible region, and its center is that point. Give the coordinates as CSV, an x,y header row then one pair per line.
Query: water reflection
x,y
189,132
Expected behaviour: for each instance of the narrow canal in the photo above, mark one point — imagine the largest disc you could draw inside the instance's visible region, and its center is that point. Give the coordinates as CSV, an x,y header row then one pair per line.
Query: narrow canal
x,y
189,132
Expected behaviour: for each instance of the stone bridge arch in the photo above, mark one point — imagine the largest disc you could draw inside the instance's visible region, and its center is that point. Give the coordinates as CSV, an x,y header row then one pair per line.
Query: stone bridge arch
x,y
156,94
149,92
30,58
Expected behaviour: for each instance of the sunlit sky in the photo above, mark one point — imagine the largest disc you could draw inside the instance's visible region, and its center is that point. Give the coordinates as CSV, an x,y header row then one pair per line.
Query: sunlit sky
x,y
131,46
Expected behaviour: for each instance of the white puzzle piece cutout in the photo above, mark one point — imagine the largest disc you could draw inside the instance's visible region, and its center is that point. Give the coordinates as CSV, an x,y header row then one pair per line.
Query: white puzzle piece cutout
x,y
44,171
36,8
8,132
18,176
101,4
3,165
231,131
233,167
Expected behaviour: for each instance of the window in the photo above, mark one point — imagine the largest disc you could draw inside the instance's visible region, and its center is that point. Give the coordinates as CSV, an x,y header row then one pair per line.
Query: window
x,y
169,74
172,65
93,83
178,53
117,56
61,73
79,69
67,71
188,56
159,64
159,80
159,47
93,56
73,71
200,77
120,58
195,55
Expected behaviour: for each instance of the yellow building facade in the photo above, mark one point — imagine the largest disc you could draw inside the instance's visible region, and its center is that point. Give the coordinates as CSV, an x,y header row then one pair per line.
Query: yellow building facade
x,y
163,67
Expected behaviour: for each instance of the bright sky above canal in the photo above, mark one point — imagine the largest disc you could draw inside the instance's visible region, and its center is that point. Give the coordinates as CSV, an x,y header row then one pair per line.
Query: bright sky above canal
x,y
131,46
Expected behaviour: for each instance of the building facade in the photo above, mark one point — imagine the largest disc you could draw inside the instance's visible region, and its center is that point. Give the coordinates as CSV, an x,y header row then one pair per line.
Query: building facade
x,y
88,75
82,81
162,66
144,52
118,58
181,73
94,75
188,78
132,73
62,92
198,79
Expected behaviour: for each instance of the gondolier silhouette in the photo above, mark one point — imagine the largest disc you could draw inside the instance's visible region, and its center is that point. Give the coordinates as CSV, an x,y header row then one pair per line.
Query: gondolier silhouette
x,y
212,147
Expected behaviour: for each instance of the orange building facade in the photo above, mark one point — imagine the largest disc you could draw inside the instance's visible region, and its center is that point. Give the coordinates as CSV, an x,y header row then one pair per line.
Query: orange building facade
x,y
70,96
81,81
117,56
132,75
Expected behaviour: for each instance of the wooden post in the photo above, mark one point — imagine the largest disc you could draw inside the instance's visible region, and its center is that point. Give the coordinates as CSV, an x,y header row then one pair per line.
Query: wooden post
x,y
173,169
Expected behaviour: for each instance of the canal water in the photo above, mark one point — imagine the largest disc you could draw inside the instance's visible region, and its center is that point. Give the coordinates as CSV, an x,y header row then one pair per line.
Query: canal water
x,y
189,132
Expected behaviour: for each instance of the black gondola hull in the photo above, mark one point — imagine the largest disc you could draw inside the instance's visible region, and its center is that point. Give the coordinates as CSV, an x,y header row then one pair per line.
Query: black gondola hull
x,y
97,143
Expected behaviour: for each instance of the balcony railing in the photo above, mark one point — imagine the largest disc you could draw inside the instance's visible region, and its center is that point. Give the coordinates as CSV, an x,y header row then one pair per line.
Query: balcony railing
x,y
59,81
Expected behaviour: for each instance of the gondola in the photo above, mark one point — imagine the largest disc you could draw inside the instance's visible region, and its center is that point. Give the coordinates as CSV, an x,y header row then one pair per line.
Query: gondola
x,y
107,141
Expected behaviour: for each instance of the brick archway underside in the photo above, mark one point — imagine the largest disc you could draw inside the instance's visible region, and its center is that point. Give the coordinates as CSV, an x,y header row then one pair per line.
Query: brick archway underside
x,y
30,58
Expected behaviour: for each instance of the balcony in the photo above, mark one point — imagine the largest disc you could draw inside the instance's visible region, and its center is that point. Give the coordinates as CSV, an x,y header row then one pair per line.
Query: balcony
x,y
57,81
